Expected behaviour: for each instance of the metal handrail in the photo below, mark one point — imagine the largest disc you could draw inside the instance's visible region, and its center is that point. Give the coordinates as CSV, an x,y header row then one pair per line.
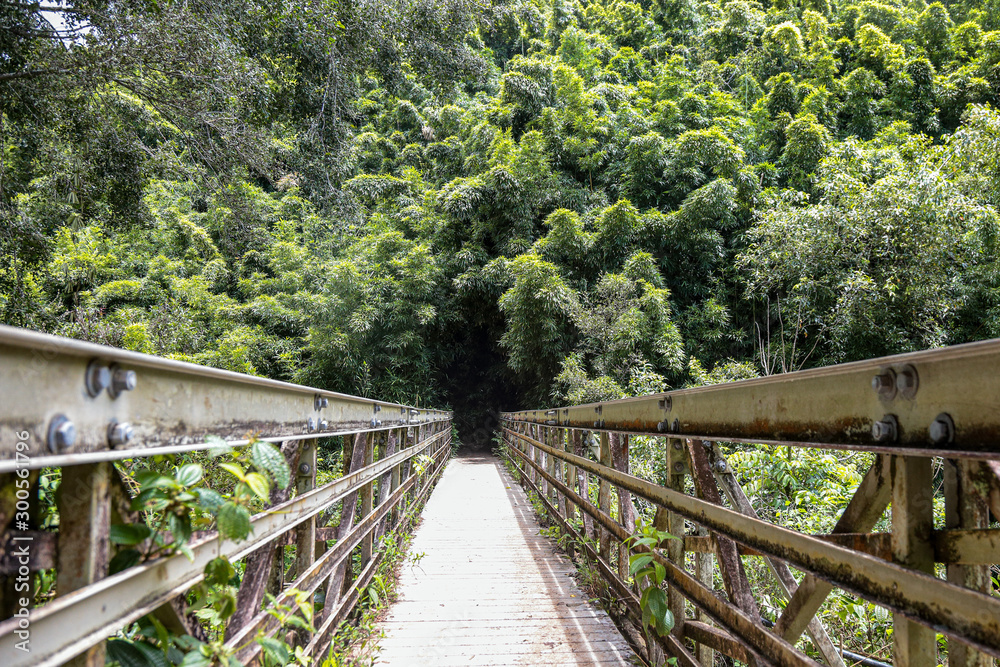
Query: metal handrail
x,y
81,406
905,409
62,393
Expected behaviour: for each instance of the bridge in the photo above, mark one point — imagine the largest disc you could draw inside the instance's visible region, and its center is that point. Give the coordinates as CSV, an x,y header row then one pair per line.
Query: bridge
x,y
482,586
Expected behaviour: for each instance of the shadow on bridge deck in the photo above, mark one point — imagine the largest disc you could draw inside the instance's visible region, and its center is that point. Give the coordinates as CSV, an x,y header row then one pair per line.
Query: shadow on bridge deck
x,y
488,589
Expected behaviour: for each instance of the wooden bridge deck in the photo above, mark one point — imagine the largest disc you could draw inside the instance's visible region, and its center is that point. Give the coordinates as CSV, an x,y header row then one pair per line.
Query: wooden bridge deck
x,y
488,589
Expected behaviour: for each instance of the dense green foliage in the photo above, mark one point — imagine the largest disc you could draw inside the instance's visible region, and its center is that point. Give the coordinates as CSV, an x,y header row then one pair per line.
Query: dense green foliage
x,y
498,206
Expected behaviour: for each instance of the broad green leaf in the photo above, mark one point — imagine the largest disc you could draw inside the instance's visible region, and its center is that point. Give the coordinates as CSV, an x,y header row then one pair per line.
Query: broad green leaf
x,y
235,469
660,573
180,526
219,446
196,659
275,650
189,474
219,571
234,521
128,533
149,479
259,485
123,560
656,600
135,654
638,561
209,500
268,458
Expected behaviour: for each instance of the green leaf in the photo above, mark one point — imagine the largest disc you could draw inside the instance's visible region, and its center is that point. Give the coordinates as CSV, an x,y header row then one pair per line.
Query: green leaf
x,y
660,573
656,600
180,526
638,561
225,603
219,571
128,533
149,479
189,474
235,469
196,659
219,446
373,595
259,485
274,649
269,458
135,654
234,521
123,560
209,500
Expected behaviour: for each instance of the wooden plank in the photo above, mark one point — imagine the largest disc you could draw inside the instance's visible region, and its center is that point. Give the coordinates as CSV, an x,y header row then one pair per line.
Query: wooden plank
x,y
491,592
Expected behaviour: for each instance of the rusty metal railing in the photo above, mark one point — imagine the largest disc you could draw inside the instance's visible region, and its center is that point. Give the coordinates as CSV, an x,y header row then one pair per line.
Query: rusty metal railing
x,y
906,410
81,407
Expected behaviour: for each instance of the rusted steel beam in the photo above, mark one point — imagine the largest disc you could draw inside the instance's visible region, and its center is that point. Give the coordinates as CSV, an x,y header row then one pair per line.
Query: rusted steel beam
x,y
834,407
171,406
734,576
968,615
69,625
755,636
863,511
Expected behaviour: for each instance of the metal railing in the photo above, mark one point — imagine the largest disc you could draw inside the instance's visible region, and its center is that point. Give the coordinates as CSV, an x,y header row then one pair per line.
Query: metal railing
x,y
81,407
906,410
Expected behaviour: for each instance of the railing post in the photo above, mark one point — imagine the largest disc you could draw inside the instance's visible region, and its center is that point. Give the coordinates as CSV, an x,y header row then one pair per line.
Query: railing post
x,y
965,493
582,482
914,645
626,510
396,474
552,466
84,502
673,523
569,475
305,534
604,496
367,499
